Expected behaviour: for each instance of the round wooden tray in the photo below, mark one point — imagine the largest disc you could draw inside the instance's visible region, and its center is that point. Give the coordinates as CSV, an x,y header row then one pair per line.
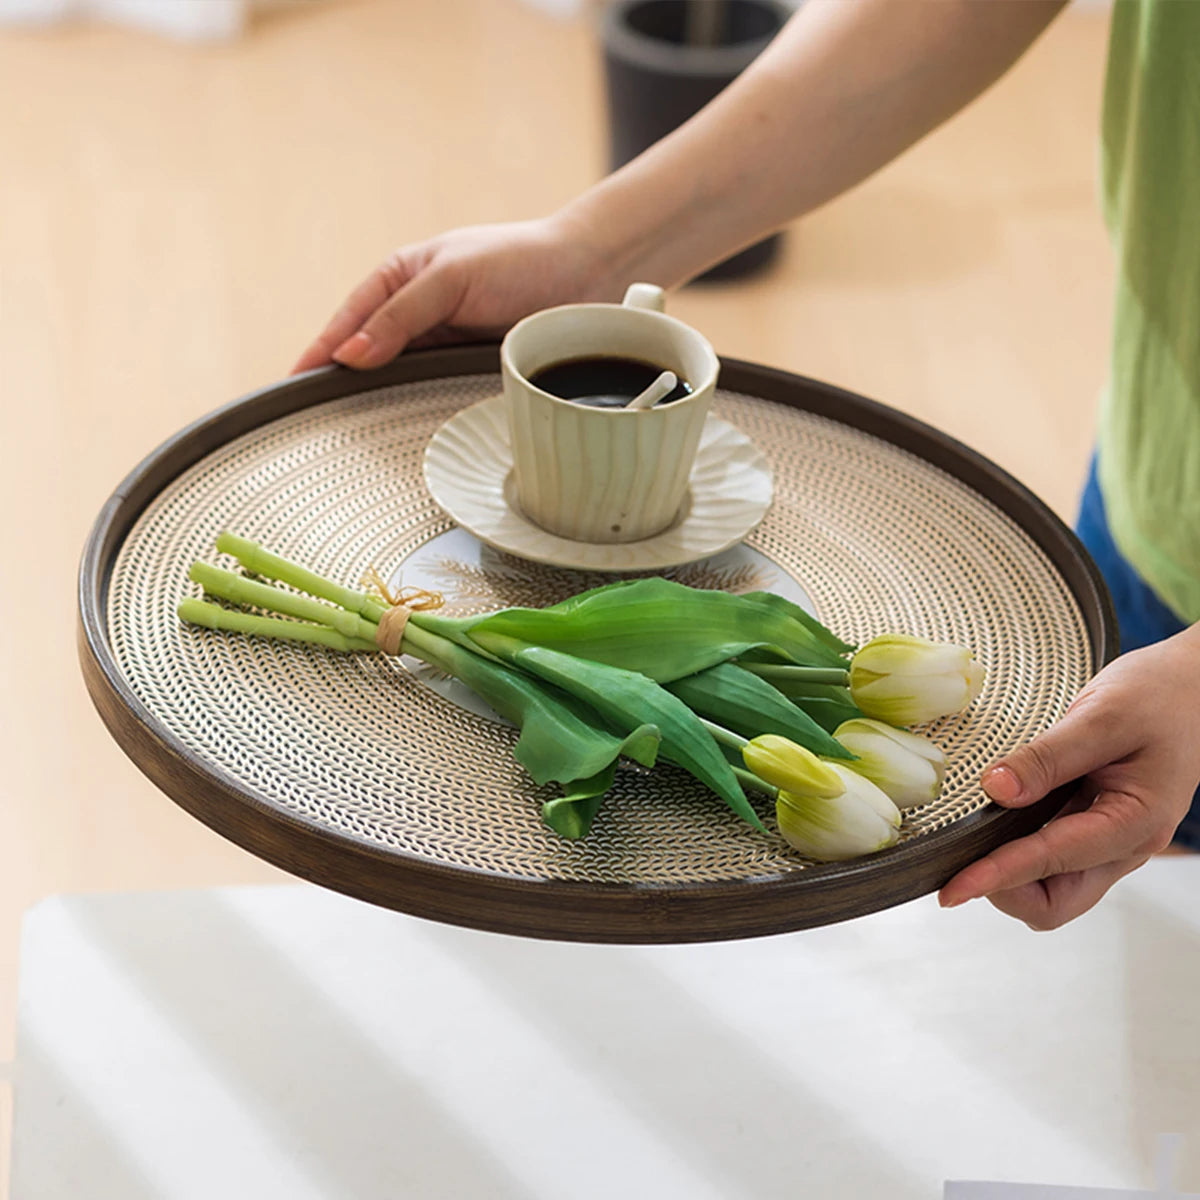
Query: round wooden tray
x,y
353,772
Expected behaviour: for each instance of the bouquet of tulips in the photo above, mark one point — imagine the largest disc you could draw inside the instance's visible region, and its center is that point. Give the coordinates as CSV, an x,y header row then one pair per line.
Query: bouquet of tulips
x,y
748,693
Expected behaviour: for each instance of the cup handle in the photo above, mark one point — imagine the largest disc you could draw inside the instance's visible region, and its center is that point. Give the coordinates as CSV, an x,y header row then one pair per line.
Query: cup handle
x,y
644,295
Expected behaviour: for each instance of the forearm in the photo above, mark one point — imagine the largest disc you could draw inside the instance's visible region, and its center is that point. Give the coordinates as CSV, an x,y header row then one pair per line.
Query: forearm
x,y
846,87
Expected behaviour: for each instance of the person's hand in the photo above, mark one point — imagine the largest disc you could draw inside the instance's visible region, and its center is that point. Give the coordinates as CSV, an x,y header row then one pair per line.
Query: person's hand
x,y
471,284
1130,739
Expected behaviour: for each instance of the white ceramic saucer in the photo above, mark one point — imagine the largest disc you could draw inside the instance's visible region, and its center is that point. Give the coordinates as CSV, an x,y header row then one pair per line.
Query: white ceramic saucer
x,y
468,468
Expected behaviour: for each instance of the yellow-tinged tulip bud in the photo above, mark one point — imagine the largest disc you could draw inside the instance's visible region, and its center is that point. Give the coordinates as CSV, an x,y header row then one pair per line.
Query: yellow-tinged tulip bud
x,y
824,809
786,765
907,680
861,820
907,767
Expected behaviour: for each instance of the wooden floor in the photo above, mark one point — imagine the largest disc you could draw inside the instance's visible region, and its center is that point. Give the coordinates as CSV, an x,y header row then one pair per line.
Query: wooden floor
x,y
176,221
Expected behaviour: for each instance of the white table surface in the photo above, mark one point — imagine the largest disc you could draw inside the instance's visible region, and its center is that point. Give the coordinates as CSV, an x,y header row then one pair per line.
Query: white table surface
x,y
288,1042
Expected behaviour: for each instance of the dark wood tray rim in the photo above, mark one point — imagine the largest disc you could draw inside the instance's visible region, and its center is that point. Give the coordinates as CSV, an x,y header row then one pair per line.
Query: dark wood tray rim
x,y
561,910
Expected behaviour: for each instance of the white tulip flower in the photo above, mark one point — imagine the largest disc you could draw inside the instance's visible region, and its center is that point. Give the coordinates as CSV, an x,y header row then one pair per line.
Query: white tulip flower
x,y
906,680
907,767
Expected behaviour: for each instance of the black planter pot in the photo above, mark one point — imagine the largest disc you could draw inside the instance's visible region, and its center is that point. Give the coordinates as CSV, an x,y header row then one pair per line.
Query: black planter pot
x,y
658,75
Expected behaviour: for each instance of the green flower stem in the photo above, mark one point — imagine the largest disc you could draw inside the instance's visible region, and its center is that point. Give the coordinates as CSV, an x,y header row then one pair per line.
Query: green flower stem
x,y
725,737
483,673
748,779
262,562
784,673
213,616
228,585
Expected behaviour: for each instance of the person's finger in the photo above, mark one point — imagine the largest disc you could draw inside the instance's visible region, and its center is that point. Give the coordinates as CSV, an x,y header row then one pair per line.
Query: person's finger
x,y
1088,737
1113,828
1049,903
367,298
426,301
316,355
445,335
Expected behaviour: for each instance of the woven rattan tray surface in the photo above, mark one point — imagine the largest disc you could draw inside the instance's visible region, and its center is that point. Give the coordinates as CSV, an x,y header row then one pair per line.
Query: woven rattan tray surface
x,y
350,771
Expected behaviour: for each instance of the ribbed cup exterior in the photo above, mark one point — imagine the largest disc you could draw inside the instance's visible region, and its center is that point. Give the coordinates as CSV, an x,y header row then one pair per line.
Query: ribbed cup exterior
x,y
604,475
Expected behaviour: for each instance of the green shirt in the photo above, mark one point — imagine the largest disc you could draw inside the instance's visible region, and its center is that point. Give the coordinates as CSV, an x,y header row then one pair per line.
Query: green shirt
x,y
1149,435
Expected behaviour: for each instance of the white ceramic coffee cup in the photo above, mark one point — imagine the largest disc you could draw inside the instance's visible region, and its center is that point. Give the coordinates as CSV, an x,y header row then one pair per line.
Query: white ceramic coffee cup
x,y
605,474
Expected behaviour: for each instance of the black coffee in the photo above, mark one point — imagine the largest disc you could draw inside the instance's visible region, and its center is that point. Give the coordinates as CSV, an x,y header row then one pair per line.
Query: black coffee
x,y
603,382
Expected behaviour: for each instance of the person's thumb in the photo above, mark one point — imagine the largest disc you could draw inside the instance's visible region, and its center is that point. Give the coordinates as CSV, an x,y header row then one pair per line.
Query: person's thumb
x,y
1068,750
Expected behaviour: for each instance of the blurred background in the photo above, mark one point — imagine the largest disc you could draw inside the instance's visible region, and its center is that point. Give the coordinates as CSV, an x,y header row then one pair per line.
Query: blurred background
x,y
188,188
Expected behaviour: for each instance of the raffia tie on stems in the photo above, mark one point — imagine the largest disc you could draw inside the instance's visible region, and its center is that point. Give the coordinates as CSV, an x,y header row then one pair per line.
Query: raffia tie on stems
x,y
401,606
390,632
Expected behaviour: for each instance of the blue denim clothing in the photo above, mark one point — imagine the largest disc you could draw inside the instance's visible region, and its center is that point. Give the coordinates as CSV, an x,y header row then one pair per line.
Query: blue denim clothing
x,y
1141,616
